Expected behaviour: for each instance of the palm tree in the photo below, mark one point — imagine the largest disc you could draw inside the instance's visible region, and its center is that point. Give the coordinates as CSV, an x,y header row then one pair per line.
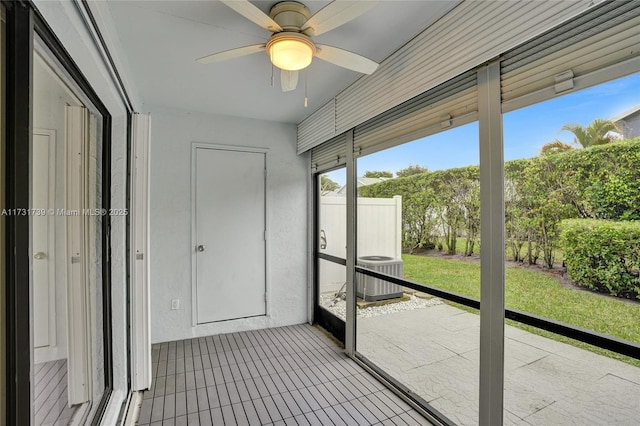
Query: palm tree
x,y
596,133
554,147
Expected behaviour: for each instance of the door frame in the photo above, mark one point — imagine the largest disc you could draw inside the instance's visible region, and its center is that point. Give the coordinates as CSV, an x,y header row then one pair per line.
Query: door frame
x,y
140,326
194,231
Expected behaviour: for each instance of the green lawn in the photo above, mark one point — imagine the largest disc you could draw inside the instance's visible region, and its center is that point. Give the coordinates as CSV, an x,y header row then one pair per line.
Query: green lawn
x,y
537,293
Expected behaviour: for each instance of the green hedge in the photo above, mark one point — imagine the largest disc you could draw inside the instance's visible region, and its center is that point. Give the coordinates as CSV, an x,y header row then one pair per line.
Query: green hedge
x,y
600,182
603,255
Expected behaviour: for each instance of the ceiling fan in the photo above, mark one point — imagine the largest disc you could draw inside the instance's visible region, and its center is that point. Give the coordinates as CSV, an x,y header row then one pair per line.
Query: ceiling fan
x,y
290,47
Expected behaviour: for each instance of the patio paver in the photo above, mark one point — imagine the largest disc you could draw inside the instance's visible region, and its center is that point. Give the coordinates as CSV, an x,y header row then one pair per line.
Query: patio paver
x,y
435,352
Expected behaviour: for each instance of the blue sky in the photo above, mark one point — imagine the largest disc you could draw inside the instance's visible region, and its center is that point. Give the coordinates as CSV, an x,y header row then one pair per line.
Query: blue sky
x,y
525,130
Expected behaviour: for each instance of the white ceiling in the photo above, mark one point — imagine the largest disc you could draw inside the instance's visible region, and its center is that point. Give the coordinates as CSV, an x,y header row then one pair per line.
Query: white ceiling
x,y
162,39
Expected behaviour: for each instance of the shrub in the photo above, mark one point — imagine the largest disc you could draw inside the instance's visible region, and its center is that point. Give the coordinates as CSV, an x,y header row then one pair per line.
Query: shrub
x,y
603,255
600,182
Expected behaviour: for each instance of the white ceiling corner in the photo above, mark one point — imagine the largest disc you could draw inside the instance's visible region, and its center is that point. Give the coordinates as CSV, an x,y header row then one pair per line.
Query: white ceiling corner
x,y
162,39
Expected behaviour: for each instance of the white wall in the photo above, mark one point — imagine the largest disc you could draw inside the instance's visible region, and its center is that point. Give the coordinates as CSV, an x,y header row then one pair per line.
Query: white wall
x,y
172,134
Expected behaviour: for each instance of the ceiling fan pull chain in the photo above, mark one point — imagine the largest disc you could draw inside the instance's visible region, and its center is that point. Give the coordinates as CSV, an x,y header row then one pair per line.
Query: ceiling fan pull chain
x,y
306,102
272,75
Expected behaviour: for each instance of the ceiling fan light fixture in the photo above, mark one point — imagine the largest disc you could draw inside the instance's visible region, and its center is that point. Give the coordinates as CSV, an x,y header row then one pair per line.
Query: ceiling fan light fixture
x,y
290,51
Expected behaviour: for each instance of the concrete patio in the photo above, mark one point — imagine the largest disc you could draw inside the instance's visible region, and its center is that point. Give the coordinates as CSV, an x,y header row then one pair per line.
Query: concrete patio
x,y
434,351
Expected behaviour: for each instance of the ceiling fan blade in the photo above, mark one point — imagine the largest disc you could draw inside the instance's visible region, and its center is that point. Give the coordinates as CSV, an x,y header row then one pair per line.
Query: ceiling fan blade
x,y
252,13
336,13
230,54
344,58
288,80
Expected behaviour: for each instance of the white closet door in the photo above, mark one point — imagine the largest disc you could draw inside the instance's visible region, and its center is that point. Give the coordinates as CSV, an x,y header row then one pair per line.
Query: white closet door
x,y
230,234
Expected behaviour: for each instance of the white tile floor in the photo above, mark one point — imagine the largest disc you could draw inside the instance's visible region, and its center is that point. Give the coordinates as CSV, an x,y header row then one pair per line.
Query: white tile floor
x,y
282,376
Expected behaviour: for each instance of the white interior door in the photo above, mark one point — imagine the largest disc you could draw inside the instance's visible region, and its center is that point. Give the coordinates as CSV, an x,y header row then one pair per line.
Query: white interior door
x,y
229,234
43,242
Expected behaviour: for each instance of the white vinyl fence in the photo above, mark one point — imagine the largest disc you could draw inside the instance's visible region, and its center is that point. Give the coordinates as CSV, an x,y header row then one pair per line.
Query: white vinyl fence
x,y
379,234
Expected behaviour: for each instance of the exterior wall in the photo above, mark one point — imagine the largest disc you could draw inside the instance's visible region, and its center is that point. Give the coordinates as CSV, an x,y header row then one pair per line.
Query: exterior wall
x,y
172,135
66,22
631,125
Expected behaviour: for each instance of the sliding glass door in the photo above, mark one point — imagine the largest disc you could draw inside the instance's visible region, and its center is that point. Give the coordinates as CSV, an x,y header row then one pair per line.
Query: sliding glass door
x,y
56,215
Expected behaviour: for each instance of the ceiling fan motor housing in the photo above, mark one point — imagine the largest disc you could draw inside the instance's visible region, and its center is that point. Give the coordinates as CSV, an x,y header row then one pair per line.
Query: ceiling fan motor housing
x,y
290,51
290,15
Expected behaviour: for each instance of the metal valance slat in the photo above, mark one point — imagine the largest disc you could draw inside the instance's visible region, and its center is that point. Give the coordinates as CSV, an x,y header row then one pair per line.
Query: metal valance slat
x,y
330,154
430,112
317,128
604,36
471,34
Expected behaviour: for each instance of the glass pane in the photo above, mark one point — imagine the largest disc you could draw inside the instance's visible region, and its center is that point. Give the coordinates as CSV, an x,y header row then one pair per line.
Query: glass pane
x,y
332,214
572,233
332,241
418,218
331,281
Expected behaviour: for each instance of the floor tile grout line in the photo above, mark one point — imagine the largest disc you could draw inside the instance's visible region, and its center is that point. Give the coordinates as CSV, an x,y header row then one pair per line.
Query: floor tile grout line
x,y
61,366
309,336
52,367
295,354
39,388
42,403
44,371
302,351
60,387
295,371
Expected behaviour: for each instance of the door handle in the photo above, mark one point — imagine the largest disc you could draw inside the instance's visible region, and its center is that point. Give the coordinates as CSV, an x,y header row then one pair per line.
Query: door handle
x,y
200,248
39,255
